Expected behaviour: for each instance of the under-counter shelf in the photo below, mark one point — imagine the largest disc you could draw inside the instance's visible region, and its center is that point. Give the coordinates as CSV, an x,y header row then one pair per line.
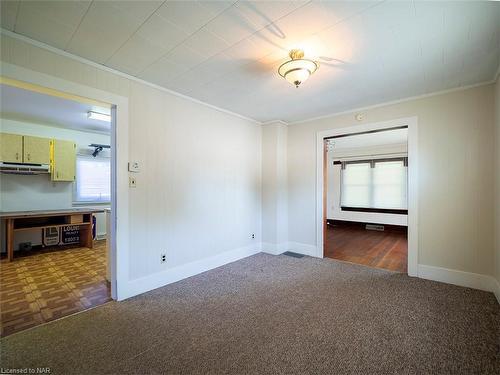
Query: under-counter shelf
x,y
29,220
50,226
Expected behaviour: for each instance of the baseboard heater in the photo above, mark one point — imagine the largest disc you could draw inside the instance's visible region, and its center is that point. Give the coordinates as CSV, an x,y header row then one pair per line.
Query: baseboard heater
x,y
378,227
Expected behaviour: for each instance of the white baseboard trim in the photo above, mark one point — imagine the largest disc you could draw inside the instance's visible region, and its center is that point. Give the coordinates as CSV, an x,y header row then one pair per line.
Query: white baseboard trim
x,y
497,290
171,275
461,278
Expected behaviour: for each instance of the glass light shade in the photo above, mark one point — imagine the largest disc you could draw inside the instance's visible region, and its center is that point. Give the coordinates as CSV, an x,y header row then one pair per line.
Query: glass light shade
x,y
297,76
297,71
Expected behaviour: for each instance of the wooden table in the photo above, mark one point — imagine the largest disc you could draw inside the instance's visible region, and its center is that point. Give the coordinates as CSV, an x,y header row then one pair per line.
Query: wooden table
x,y
29,220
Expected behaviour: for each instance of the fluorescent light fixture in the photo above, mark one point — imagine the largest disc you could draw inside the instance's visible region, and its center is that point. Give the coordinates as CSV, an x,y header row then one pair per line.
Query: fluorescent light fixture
x,y
98,116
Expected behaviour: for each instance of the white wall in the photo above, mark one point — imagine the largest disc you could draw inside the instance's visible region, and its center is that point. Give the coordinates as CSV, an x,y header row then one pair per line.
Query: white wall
x,y
334,211
199,190
274,185
455,148
38,192
497,184
198,194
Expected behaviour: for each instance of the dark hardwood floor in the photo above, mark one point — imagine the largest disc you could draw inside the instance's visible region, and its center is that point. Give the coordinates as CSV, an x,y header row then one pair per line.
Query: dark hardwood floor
x,y
353,243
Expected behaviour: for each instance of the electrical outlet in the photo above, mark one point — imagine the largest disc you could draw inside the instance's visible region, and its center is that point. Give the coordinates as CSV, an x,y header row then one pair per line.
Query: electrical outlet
x,y
163,258
131,182
253,236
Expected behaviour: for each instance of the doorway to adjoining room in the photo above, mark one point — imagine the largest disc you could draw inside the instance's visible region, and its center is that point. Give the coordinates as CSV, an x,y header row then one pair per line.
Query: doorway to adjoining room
x,y
366,183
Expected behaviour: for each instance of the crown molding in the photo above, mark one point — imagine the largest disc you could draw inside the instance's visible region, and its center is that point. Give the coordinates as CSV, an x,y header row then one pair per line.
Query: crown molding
x,y
410,98
117,72
275,122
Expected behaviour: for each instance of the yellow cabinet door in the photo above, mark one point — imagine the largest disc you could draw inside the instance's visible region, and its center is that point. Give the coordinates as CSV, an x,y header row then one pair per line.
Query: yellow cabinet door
x,y
11,148
63,160
36,150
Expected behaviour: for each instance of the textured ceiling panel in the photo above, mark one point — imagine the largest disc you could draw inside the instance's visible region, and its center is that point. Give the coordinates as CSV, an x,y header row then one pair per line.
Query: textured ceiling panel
x,y
226,52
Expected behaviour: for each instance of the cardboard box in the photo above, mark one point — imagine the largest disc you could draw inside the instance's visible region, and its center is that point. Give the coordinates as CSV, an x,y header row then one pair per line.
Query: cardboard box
x,y
74,219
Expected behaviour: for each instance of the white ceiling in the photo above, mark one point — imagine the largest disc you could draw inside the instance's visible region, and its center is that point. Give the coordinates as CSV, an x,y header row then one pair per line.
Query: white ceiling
x,y
226,53
382,138
30,106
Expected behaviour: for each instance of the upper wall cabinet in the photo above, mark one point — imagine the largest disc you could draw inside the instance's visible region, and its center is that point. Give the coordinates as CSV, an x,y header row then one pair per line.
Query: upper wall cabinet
x,y
61,155
11,148
36,150
16,148
63,165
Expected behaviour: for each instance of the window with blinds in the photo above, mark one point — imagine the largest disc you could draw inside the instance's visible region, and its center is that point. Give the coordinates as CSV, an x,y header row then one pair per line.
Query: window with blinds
x,y
93,180
356,188
375,184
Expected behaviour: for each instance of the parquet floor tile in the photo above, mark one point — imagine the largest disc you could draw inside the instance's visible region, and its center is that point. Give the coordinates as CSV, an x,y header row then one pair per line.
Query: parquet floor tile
x,y
49,285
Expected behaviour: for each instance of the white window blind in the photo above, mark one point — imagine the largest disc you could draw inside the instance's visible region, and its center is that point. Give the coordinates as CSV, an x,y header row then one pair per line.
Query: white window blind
x,y
374,184
356,185
93,179
389,185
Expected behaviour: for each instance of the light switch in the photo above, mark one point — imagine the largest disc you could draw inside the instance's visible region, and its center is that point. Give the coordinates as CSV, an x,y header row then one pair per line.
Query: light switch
x,y
133,166
131,182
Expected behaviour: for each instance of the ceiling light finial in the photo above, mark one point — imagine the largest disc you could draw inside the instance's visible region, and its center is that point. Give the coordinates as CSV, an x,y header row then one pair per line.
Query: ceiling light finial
x,y
296,54
297,70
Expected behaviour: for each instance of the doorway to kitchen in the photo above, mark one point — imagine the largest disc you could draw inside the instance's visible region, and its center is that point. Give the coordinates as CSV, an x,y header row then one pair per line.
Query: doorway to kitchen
x,y
56,173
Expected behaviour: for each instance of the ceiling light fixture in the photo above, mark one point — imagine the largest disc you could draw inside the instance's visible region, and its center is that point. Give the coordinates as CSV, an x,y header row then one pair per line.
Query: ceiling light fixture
x,y
98,116
297,70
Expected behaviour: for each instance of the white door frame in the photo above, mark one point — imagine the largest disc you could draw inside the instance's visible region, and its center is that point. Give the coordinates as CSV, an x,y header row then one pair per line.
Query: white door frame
x,y
412,123
119,174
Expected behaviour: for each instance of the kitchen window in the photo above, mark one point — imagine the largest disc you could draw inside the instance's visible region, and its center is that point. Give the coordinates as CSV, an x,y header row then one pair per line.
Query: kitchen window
x,y
93,180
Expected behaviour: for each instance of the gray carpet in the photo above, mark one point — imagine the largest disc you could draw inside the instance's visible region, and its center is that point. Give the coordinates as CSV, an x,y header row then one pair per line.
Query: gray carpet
x,y
275,315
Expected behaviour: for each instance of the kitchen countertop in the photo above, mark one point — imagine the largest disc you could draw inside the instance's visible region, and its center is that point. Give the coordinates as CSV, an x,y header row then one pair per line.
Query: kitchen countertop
x,y
51,212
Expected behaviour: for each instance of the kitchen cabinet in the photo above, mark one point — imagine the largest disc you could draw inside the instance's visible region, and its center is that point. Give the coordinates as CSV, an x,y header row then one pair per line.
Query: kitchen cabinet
x,y
63,160
11,148
36,150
